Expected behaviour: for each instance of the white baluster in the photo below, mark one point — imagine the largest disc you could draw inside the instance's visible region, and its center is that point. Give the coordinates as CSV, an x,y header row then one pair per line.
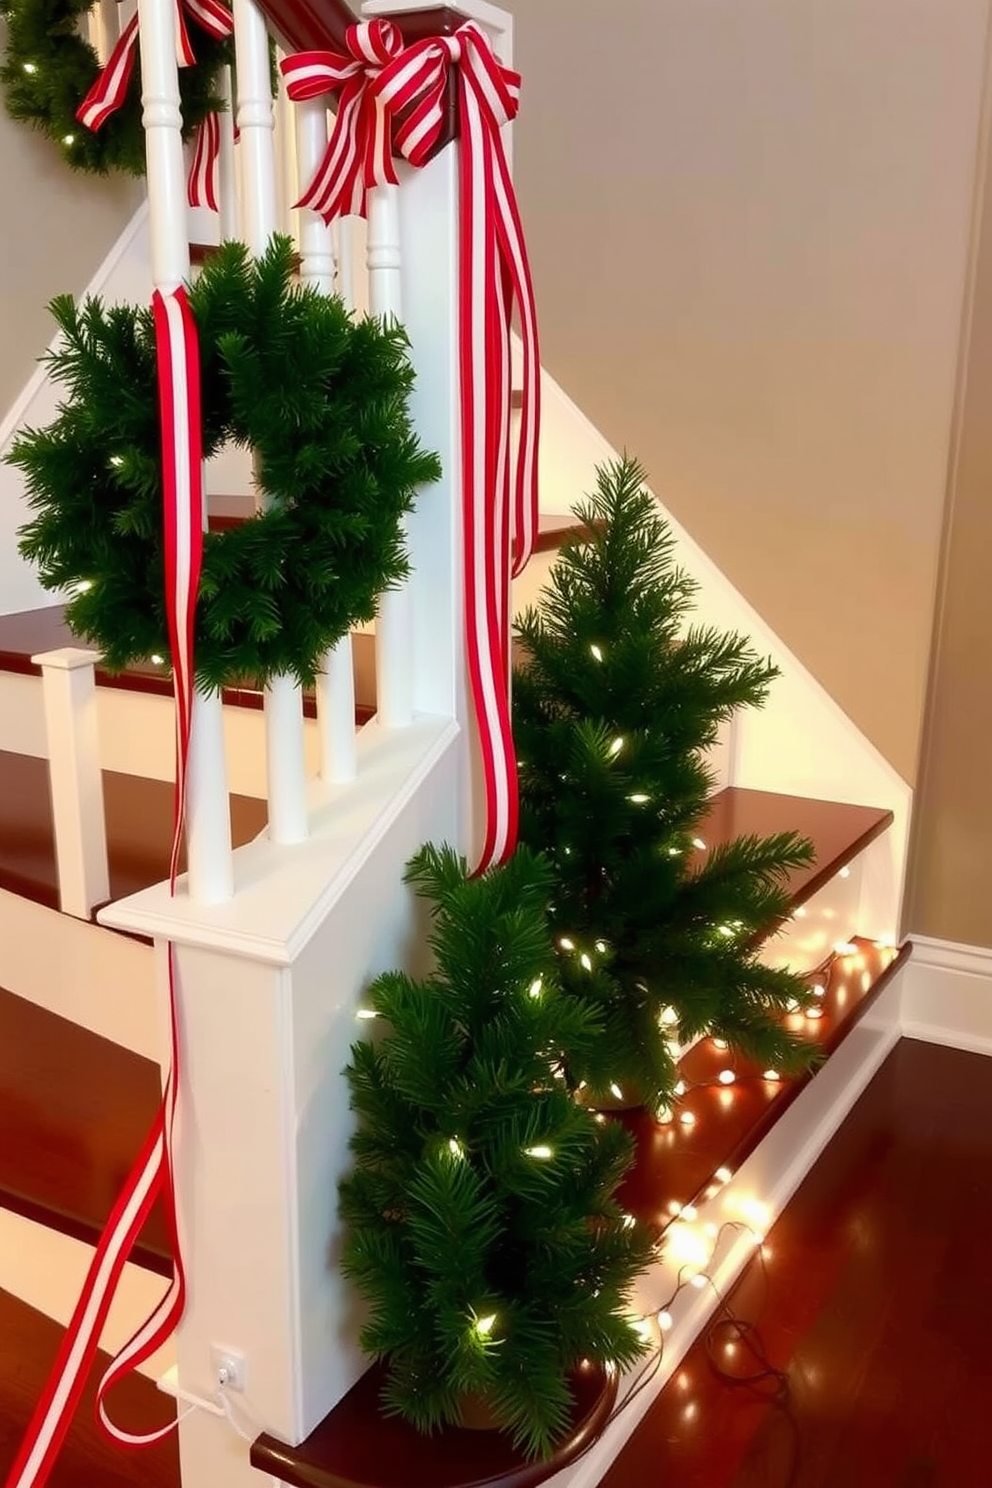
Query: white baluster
x,y
284,739
227,194
104,28
336,682
394,625
346,260
208,831
76,784
336,713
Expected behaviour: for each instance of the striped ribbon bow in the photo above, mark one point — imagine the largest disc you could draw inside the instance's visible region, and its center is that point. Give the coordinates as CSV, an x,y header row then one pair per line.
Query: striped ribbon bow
x,y
110,89
359,153
494,273
151,1177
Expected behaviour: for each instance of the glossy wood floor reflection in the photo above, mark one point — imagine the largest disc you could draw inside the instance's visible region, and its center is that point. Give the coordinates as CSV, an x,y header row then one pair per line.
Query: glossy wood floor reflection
x,y
28,1344
876,1302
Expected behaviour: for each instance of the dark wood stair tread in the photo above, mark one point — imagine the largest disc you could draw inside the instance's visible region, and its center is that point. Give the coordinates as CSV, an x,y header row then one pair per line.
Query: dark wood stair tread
x,y
139,829
74,1111
28,1344
838,831
356,1447
675,1162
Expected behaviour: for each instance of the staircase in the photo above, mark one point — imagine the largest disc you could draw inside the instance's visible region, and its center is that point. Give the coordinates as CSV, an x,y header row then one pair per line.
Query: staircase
x,y
271,978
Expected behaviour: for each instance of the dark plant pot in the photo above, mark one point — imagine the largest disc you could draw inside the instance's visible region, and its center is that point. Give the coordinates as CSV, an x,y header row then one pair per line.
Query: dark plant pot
x,y
476,1412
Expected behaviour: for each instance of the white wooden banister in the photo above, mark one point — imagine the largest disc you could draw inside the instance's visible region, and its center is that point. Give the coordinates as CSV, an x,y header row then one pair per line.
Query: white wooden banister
x,y
208,822
75,780
394,633
284,738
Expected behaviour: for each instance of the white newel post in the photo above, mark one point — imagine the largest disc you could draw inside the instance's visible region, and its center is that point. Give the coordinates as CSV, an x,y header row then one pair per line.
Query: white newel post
x,y
284,736
75,780
208,822
393,630
336,682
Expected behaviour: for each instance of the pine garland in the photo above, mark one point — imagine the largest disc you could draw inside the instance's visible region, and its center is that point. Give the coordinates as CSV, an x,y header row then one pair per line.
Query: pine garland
x,y
613,709
320,398
482,1227
49,68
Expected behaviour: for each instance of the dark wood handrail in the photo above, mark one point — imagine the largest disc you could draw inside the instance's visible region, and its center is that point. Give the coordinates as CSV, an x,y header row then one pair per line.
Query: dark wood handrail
x,y
317,25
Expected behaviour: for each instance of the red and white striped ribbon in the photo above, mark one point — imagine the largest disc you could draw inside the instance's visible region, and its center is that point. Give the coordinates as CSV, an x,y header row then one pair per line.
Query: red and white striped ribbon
x,y
494,274
152,1174
110,89
359,153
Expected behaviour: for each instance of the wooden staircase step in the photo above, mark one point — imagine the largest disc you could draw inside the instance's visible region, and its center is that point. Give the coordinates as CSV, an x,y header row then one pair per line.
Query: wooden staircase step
x,y
74,1111
139,829
839,832
28,1344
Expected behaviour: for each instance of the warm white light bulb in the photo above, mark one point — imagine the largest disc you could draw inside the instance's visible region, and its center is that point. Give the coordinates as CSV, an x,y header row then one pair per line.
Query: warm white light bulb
x,y
680,1088
638,798
772,1075
815,1011
723,1175
541,1151
84,586
664,1114
669,1016
455,1147
158,660
601,947
629,1221
616,747
727,1077
674,1208
689,1212
485,1325
69,139
719,1043
674,852
698,842
586,961
616,1092
30,67
687,1118
818,990
726,931
846,948
536,987
566,944
665,1320
366,1013
597,653
844,873
698,1281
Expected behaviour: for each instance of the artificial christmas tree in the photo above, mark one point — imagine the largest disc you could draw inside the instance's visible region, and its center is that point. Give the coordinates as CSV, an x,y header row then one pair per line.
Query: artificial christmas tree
x,y
614,707
482,1225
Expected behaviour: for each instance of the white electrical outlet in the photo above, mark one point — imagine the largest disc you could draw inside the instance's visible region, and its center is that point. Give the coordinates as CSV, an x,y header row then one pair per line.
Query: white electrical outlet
x,y
229,1367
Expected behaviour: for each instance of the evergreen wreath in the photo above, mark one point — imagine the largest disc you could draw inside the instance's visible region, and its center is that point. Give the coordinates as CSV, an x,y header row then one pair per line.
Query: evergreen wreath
x,y
321,400
483,1228
49,68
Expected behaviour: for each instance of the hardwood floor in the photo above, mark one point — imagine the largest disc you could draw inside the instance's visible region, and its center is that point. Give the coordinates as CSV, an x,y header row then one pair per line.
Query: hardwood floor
x,y
28,1343
875,1303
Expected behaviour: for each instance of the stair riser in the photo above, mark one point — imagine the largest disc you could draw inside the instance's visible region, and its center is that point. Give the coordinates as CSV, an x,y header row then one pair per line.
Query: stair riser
x,y
137,733
46,1270
101,980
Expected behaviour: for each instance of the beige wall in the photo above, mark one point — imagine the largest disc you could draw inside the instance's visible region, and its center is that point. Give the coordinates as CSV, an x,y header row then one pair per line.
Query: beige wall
x,y
749,222
950,890
55,229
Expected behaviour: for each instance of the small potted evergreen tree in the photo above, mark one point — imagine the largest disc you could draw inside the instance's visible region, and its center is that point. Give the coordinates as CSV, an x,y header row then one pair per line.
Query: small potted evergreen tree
x,y
615,705
481,1222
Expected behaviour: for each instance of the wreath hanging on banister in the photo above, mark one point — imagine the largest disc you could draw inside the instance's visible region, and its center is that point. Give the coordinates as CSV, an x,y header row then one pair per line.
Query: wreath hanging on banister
x,y
49,69
321,400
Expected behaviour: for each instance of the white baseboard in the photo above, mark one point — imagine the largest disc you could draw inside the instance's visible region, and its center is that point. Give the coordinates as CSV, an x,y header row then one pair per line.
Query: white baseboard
x,y
947,995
